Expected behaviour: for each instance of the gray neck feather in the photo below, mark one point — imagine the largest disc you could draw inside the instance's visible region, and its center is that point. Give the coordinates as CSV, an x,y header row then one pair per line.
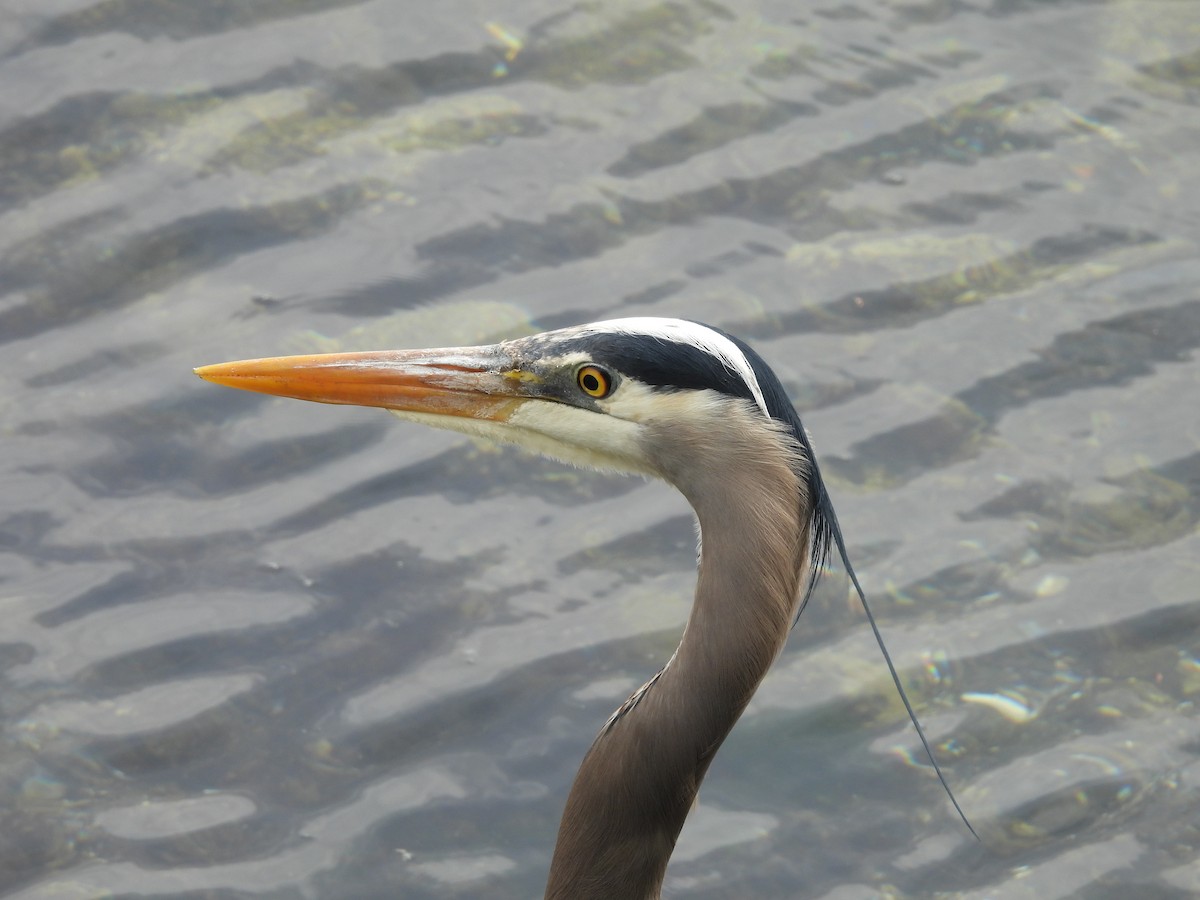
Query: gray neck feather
x,y
639,780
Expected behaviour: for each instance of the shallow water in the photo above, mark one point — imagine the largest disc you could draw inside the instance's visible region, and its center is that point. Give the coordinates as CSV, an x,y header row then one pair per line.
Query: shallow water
x,y
254,647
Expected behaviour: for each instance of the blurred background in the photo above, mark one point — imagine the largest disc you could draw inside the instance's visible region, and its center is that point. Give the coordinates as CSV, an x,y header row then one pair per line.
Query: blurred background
x,y
252,647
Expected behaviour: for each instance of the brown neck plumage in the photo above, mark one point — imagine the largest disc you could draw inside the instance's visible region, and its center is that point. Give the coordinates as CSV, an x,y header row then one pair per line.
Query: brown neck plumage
x,y
639,780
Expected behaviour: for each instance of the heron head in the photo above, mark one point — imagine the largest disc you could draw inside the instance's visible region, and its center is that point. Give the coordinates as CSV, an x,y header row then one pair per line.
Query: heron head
x,y
641,395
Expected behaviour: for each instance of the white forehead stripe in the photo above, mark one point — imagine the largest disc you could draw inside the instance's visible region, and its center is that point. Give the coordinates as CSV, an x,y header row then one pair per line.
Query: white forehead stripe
x,y
699,336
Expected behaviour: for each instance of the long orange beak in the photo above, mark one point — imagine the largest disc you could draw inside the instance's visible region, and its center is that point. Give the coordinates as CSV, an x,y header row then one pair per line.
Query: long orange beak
x,y
474,382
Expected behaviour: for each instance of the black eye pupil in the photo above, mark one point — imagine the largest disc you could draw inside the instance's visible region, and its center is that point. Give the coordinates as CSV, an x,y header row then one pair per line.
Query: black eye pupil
x,y
591,382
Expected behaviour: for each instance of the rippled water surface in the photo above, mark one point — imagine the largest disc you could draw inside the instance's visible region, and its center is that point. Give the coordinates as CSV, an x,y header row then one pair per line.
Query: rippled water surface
x,y
252,647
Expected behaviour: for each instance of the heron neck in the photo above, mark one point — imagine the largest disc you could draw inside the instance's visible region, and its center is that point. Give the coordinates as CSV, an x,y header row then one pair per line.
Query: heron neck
x,y
640,778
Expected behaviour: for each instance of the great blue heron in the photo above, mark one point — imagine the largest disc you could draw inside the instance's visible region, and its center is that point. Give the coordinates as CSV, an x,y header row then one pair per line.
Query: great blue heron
x,y
667,398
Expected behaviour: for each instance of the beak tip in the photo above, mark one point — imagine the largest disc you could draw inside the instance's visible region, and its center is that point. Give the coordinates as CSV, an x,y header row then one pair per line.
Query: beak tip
x,y
217,373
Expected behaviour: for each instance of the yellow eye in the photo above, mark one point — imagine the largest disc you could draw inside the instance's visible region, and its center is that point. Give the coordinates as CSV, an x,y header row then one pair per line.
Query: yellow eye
x,y
594,381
